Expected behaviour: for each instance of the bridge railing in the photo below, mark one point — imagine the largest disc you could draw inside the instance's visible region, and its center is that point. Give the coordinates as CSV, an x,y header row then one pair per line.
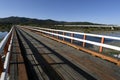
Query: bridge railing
x,y
5,48
103,37
71,37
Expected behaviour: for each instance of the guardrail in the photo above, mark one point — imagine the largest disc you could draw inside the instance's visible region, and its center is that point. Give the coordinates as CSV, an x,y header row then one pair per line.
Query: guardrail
x,y
5,48
101,44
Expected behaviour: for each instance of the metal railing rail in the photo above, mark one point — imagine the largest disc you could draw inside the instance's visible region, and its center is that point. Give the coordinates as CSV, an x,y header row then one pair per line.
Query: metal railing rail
x,y
5,48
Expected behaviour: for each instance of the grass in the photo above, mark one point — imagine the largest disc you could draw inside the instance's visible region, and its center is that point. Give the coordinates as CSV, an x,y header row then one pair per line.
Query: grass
x,y
0,40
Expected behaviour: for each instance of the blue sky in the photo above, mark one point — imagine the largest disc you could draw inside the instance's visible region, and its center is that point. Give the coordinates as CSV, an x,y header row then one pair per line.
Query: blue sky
x,y
98,11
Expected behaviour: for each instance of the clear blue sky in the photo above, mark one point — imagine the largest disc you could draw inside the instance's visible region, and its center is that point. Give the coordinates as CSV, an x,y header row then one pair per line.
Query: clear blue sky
x,y
98,11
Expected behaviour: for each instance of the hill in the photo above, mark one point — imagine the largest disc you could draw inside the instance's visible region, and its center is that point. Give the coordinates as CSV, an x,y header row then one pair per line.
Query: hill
x,y
6,23
28,21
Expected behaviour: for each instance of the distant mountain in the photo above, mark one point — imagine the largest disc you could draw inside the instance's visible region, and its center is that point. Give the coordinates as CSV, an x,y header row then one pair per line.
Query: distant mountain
x,y
26,21
29,21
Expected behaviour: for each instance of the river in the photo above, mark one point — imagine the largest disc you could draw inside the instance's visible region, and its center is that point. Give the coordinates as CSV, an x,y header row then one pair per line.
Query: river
x,y
112,42
110,33
96,39
2,35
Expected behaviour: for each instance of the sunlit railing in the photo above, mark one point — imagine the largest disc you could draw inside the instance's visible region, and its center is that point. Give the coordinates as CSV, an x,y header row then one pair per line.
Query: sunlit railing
x,y
5,48
101,44
48,31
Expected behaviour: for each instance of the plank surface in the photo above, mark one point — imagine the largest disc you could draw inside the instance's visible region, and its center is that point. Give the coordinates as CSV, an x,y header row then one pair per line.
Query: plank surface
x,y
17,65
46,59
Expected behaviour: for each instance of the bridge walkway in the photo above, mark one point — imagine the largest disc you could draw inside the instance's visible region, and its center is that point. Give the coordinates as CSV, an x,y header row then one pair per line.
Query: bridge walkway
x,y
46,59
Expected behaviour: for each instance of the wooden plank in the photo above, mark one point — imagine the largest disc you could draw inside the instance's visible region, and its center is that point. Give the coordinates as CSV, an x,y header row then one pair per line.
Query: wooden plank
x,y
49,60
55,62
17,66
33,62
13,62
94,66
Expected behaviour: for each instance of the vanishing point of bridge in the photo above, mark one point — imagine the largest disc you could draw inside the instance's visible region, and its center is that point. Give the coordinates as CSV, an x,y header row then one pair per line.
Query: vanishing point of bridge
x,y
32,53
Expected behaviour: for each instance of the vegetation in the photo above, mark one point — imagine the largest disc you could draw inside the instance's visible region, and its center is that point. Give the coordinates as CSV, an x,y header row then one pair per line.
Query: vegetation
x,y
37,22
6,23
5,26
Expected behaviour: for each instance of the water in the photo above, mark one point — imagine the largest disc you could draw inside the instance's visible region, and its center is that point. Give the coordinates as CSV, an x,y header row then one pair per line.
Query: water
x,y
112,53
2,35
96,39
114,33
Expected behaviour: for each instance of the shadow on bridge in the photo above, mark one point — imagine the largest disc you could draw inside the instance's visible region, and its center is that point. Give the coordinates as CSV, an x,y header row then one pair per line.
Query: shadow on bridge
x,y
51,73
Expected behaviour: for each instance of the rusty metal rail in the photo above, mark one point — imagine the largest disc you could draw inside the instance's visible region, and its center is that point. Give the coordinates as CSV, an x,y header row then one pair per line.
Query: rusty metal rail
x,y
5,48
53,32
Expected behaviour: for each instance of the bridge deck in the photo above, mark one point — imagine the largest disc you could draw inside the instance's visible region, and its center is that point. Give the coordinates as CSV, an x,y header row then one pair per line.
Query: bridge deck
x,y
46,59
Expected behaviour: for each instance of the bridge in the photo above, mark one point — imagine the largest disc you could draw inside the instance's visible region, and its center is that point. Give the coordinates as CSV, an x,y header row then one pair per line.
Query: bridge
x,y
34,53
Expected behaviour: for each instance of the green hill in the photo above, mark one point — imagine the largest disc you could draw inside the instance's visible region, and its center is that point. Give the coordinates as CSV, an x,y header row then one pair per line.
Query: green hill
x,y
5,23
28,21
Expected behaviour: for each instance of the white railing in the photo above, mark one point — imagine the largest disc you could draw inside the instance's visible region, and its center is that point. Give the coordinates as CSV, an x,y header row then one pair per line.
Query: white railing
x,y
78,39
87,34
4,41
4,74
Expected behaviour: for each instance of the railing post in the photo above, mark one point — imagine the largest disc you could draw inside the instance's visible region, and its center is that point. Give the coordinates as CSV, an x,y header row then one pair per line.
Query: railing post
x,y
102,41
49,34
52,34
57,33
1,65
84,38
72,35
63,37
